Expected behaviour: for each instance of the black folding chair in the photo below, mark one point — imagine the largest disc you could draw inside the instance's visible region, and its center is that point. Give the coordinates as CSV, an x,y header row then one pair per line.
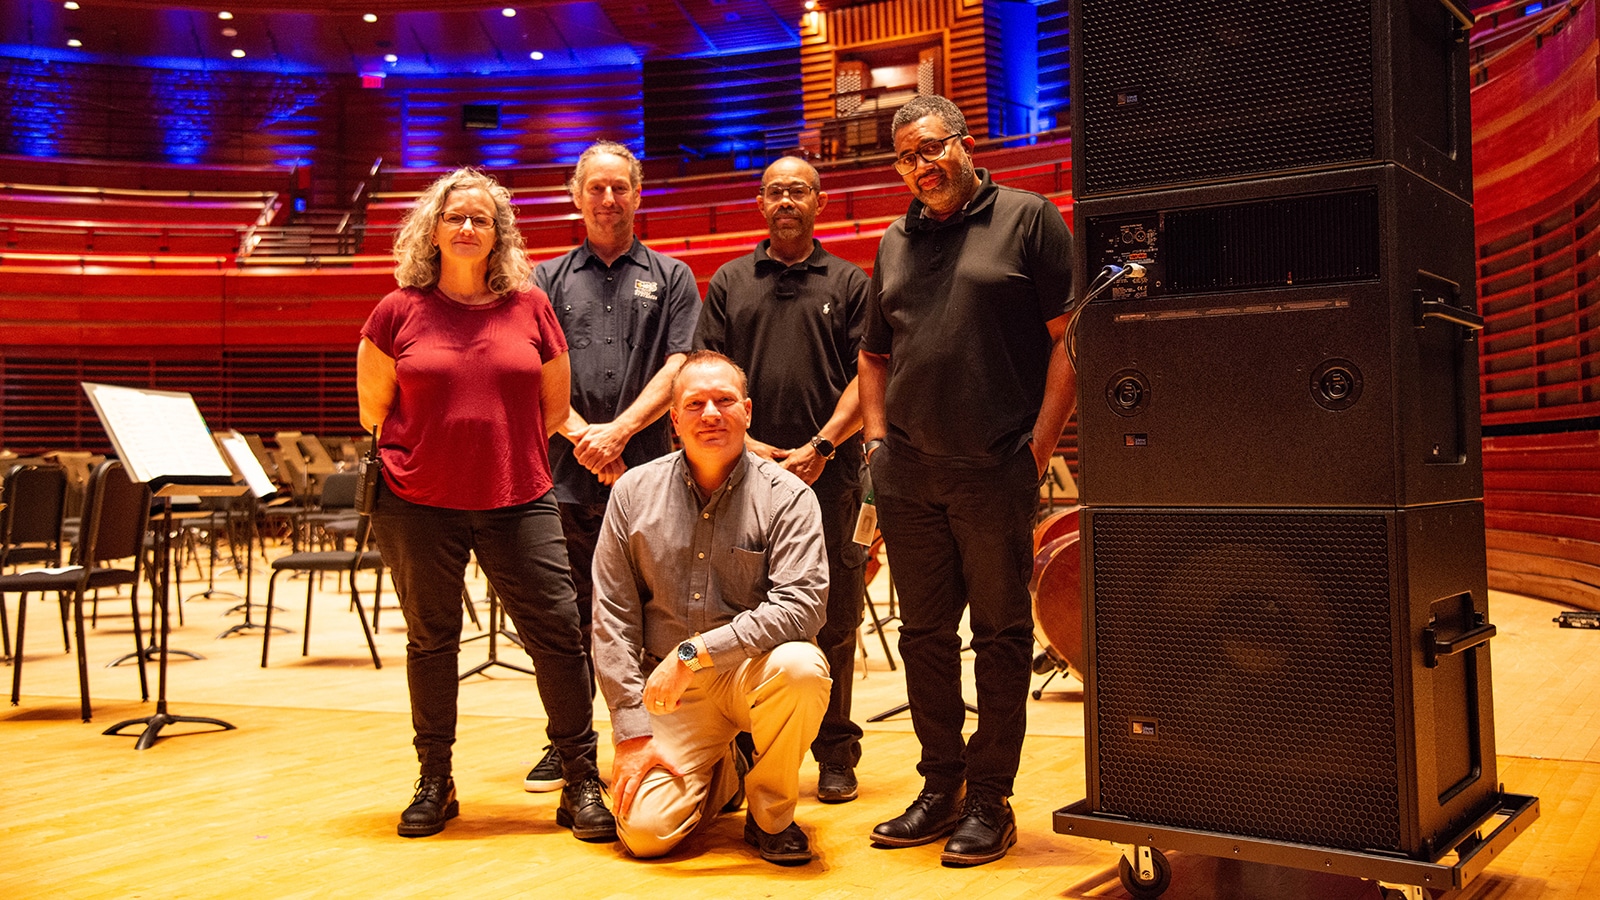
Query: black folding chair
x,y
30,526
347,562
116,515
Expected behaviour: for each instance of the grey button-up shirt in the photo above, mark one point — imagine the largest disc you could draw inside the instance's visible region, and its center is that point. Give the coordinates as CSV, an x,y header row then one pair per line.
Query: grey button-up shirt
x,y
747,569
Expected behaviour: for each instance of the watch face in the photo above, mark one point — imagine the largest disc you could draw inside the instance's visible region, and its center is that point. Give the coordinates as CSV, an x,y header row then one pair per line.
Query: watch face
x,y
686,651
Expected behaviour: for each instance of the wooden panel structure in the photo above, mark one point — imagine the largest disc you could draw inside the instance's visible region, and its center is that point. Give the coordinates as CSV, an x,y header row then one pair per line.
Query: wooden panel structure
x,y
958,25
1542,507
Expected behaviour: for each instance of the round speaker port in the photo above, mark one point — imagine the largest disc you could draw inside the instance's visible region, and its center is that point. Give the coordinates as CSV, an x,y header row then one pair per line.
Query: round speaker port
x,y
1128,393
1336,384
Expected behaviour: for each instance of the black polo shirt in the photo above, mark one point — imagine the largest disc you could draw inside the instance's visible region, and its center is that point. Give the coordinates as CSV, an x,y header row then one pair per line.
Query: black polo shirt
x,y
960,308
622,321
794,330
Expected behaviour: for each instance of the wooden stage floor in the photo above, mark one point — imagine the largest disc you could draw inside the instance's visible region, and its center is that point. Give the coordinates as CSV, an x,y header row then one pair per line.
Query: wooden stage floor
x,y
302,799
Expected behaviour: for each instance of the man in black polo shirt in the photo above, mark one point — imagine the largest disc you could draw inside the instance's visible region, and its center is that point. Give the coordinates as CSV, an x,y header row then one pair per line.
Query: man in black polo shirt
x,y
628,313
790,314
965,387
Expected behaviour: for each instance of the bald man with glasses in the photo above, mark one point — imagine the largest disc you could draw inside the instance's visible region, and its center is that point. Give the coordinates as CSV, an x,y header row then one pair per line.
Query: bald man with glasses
x,y
965,388
789,313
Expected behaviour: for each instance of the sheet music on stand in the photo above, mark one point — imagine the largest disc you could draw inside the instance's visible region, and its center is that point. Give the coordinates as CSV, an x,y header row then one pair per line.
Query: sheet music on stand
x,y
163,440
164,443
245,464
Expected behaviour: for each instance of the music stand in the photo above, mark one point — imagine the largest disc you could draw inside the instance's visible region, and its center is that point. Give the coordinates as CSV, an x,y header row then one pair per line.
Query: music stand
x,y
244,463
497,618
163,442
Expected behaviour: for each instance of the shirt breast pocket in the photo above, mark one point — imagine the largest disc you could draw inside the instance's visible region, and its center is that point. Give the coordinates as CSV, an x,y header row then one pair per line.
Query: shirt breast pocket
x,y
744,578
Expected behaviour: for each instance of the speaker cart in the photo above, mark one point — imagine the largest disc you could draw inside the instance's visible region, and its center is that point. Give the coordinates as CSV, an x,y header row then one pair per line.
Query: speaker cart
x,y
1145,872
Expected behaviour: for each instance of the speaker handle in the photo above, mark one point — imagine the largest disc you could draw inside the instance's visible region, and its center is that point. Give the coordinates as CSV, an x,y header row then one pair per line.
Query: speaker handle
x,y
1434,647
1438,309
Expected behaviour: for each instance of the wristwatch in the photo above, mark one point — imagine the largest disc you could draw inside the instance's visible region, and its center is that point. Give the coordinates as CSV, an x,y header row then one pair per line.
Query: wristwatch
x,y
689,655
823,446
871,446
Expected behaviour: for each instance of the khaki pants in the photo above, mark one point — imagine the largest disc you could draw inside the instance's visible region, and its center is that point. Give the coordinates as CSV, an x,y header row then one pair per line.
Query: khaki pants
x,y
779,697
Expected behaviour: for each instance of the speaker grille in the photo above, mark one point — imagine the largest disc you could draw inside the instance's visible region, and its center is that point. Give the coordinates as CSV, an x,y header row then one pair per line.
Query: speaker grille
x,y
1259,646
1187,90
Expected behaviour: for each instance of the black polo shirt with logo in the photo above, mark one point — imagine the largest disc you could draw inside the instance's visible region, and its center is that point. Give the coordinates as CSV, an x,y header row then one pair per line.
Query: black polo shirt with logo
x,y
622,321
794,330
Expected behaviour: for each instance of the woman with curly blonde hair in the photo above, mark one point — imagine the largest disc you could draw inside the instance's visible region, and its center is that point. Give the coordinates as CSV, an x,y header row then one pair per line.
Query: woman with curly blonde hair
x,y
462,374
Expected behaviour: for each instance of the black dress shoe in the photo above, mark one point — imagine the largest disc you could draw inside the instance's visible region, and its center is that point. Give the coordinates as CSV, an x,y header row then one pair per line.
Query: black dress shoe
x,y
836,783
583,809
788,847
928,818
986,831
433,805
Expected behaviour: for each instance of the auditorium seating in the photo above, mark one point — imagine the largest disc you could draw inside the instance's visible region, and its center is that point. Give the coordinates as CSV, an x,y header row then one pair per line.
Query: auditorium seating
x,y
1536,165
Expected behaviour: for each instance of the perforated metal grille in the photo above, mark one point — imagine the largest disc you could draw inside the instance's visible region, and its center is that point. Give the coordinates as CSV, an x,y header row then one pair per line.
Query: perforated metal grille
x,y
1187,90
1259,646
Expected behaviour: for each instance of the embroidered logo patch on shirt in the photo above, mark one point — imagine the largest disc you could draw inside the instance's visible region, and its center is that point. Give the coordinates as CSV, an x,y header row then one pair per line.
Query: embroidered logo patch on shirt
x,y
645,289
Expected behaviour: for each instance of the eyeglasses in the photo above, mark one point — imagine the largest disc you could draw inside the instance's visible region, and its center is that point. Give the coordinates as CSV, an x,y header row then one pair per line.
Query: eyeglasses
x,y
932,151
776,192
456,220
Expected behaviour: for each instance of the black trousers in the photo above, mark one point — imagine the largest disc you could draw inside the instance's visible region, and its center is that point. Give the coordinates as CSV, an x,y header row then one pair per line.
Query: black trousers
x,y
522,554
838,491
962,540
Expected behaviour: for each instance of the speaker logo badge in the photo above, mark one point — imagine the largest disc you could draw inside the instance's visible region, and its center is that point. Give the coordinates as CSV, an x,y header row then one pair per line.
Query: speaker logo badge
x,y
1143,729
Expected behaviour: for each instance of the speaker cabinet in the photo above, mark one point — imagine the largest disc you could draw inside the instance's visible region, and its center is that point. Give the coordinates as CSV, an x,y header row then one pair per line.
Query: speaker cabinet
x,y
1195,91
1295,342
1277,673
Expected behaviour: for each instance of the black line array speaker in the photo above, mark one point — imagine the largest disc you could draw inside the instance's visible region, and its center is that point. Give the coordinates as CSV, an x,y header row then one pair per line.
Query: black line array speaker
x,y
1296,341
1193,91
1276,673
1286,618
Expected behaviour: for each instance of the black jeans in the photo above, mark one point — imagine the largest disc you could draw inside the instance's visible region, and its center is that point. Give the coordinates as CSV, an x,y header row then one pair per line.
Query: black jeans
x,y
580,525
838,491
522,554
962,539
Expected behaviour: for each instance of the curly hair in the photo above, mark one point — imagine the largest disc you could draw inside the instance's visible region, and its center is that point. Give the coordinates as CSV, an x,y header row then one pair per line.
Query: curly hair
x,y
417,258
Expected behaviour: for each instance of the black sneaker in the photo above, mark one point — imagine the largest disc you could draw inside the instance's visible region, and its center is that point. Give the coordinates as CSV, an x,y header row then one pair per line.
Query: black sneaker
x,y
583,809
546,776
433,805
836,783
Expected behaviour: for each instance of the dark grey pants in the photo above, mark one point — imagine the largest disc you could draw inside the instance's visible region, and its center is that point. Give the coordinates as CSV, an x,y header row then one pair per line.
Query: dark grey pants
x,y
525,560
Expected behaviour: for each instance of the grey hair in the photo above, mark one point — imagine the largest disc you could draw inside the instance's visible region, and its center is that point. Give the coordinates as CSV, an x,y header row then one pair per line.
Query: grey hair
x,y
417,257
635,170
930,104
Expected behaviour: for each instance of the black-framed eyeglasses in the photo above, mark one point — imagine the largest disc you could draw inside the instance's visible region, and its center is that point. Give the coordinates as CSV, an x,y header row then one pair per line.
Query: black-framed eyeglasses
x,y
776,192
931,151
456,220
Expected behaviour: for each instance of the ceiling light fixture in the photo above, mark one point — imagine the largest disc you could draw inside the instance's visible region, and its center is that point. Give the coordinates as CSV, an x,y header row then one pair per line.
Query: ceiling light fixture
x,y
508,12
238,54
224,15
369,17
230,32
536,55
74,42
390,58
70,4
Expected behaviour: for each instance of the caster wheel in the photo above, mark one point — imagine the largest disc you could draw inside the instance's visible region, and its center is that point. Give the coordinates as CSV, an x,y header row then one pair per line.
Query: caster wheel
x,y
1146,890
